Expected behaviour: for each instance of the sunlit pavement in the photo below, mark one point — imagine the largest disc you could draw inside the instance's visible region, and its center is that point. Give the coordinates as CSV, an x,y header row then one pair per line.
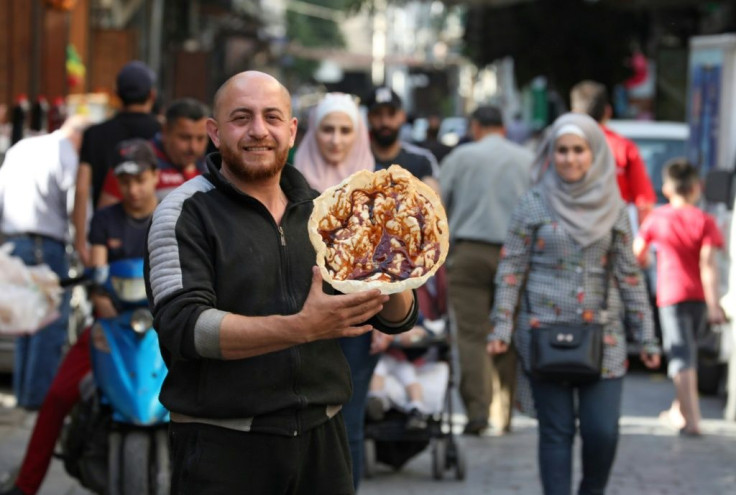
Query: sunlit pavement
x,y
652,459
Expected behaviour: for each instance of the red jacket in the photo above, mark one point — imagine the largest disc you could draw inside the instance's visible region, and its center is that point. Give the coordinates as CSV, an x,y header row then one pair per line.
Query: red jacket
x,y
633,181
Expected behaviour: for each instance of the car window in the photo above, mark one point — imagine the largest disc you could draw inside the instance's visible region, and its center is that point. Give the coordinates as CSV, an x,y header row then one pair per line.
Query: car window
x,y
656,153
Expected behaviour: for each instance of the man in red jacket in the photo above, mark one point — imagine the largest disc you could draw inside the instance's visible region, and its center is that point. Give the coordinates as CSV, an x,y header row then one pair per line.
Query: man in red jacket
x,y
591,98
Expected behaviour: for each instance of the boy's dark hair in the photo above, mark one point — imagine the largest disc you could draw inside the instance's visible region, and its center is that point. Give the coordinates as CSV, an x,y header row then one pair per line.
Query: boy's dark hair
x,y
589,97
681,174
186,108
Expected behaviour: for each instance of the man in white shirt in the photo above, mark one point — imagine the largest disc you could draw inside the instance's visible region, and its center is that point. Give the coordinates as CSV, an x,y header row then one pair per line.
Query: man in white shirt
x,y
36,180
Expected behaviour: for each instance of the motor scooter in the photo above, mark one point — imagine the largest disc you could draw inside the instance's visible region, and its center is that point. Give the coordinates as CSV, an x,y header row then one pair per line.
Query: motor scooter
x,y
116,441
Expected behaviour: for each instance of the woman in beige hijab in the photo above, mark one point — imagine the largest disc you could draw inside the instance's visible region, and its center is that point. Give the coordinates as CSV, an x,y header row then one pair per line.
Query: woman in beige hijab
x,y
555,267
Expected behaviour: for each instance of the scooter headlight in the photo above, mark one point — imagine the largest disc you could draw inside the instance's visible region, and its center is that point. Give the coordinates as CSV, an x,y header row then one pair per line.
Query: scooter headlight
x,y
129,290
99,341
141,320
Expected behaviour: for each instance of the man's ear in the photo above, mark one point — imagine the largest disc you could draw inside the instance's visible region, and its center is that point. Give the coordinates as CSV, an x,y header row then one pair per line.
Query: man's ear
x,y
402,115
294,126
213,131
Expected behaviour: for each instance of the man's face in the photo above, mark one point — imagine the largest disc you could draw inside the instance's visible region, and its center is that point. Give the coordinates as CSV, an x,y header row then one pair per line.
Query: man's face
x,y
138,190
185,141
385,122
253,128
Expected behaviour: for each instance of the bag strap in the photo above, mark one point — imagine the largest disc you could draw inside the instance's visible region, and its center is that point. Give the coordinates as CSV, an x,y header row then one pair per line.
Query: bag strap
x,y
609,270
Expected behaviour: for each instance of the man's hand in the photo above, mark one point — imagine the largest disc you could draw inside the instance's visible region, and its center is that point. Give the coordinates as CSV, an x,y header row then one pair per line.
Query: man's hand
x,y
651,361
495,347
80,245
324,316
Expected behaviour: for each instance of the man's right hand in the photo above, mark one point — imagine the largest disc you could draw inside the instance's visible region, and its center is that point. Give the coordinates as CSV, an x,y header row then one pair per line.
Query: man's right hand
x,y
82,251
331,316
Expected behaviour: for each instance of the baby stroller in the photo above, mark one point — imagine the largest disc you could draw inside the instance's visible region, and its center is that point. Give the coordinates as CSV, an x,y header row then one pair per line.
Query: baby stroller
x,y
389,440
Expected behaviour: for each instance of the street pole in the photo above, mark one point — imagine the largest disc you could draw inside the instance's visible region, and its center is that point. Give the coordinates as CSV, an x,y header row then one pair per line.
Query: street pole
x,y
154,44
378,64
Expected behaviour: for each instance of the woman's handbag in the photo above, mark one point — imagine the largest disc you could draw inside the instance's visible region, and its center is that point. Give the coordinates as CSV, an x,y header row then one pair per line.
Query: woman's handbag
x,y
569,352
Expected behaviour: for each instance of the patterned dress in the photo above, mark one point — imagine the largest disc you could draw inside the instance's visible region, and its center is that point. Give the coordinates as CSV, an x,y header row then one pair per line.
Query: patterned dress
x,y
565,283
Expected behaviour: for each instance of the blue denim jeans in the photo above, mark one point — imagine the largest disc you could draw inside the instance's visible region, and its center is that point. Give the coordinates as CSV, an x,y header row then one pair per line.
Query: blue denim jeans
x,y
38,356
362,364
598,411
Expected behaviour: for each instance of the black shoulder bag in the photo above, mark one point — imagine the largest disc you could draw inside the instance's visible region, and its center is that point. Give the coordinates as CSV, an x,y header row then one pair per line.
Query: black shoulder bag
x,y
569,352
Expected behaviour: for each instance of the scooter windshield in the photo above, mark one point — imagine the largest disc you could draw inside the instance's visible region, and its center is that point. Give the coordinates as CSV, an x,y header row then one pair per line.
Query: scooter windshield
x,y
126,280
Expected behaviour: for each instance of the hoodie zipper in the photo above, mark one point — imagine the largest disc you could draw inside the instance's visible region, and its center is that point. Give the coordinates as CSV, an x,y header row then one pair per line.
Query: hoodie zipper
x,y
295,354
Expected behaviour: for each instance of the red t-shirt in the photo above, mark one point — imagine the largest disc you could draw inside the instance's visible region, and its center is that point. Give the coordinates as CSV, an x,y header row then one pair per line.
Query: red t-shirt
x,y
633,180
680,234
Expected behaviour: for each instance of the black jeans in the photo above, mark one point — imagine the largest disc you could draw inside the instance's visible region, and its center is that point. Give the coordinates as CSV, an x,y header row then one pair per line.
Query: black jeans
x,y
209,460
598,411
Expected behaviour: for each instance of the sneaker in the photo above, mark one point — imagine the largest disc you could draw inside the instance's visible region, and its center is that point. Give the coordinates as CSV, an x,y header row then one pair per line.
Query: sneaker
x,y
374,410
416,421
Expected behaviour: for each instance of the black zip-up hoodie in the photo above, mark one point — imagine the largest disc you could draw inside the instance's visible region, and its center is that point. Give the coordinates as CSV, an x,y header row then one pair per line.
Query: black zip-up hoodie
x,y
214,250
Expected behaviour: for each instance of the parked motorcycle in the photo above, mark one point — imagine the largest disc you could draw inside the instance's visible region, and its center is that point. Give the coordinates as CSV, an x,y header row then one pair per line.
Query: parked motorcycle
x,y
116,440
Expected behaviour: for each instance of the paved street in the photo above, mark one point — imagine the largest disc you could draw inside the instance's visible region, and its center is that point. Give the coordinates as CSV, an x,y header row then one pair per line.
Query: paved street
x,y
652,460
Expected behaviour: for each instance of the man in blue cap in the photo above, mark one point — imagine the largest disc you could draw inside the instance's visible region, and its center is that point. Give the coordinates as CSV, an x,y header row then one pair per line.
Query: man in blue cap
x,y
135,86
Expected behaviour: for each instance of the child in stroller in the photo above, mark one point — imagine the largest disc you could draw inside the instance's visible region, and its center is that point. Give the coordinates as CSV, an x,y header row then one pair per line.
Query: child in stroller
x,y
408,403
396,379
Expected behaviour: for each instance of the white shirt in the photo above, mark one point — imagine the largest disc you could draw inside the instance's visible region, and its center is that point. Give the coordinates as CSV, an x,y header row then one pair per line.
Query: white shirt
x,y
36,181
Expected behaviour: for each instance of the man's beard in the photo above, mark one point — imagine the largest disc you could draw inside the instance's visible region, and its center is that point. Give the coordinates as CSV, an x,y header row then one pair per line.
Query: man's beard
x,y
385,136
237,165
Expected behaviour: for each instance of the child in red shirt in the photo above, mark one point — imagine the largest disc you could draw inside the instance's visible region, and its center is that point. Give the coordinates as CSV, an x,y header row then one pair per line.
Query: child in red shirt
x,y
687,283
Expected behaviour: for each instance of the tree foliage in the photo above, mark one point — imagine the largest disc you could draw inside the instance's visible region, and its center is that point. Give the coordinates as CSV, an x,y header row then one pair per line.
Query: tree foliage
x,y
313,31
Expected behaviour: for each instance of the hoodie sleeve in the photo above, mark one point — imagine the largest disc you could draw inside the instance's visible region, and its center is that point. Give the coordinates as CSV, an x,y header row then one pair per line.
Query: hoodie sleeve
x,y
180,274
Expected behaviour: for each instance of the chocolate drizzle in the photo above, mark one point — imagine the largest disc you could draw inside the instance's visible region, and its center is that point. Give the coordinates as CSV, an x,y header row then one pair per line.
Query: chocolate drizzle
x,y
388,237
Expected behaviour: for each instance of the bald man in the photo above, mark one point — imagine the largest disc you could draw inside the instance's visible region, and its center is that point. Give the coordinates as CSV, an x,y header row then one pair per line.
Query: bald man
x,y
248,331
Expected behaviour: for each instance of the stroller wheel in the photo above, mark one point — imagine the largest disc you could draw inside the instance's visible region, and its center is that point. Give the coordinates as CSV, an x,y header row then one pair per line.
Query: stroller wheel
x,y
369,458
439,458
456,458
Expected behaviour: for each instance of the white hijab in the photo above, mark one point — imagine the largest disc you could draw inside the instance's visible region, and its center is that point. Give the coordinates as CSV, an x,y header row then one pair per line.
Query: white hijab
x,y
308,158
586,209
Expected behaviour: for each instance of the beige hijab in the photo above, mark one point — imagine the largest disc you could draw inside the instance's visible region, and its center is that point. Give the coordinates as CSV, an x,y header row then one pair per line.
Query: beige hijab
x,y
308,158
587,209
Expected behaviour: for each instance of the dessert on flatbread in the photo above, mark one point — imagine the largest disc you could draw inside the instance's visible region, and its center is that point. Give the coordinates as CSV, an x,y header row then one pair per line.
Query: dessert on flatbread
x,y
383,230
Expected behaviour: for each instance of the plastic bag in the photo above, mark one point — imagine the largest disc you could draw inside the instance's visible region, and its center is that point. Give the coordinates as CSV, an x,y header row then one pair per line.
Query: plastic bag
x,y
29,295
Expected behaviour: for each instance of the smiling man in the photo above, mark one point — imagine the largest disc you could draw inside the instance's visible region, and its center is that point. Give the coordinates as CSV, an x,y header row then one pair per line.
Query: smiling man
x,y
256,377
179,148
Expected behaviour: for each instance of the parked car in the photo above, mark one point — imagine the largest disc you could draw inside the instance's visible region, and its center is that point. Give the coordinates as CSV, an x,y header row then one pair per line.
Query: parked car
x,y
452,130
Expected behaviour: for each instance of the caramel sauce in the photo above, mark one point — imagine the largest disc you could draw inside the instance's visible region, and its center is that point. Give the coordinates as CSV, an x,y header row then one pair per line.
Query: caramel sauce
x,y
386,246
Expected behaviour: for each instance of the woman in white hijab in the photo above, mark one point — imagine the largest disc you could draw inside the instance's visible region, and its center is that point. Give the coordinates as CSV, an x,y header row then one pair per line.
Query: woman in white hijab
x,y
555,265
335,146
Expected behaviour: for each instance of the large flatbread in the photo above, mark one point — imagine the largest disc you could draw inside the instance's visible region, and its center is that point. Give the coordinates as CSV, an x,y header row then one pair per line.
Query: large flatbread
x,y
383,230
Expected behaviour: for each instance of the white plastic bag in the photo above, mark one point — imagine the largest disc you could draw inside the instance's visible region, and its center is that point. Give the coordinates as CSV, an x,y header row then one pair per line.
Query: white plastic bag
x,y
29,295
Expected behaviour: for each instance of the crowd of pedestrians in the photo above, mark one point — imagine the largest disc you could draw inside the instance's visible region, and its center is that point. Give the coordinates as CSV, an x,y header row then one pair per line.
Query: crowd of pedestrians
x,y
269,370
